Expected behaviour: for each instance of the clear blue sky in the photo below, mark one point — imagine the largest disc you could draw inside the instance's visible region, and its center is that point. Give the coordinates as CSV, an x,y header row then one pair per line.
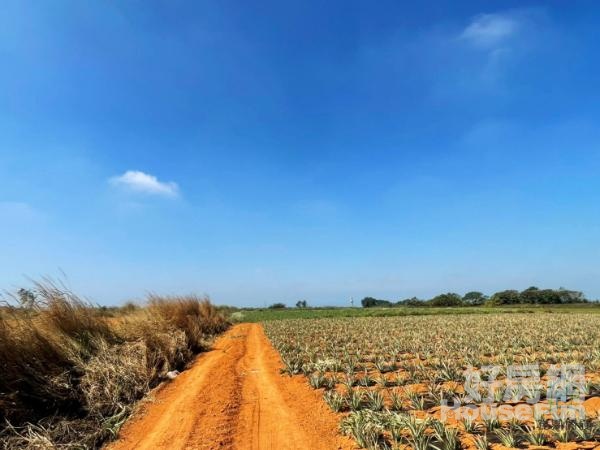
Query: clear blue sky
x,y
300,150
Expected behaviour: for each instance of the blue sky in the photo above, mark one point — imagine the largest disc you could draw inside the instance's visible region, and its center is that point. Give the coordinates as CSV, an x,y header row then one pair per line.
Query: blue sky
x,y
289,150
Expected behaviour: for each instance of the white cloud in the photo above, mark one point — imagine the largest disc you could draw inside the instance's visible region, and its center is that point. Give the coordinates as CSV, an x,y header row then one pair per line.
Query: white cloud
x,y
488,30
137,181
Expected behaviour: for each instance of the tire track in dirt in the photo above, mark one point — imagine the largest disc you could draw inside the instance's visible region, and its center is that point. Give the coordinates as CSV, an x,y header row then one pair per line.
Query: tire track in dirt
x,y
203,397
233,397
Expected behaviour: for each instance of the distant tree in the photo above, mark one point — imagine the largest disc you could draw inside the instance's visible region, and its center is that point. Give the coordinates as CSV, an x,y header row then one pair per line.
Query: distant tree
x,y
414,301
551,297
26,298
474,298
568,296
301,304
370,302
533,295
129,307
508,297
449,299
277,306
536,296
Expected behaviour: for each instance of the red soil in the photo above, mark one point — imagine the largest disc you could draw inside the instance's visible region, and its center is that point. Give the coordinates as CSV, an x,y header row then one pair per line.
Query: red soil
x,y
234,398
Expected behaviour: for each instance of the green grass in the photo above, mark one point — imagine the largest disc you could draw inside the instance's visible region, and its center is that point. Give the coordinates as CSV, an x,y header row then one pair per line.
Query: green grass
x,y
262,314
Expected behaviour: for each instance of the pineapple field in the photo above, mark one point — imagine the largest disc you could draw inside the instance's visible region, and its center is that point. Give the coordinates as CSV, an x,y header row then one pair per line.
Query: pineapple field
x,y
450,382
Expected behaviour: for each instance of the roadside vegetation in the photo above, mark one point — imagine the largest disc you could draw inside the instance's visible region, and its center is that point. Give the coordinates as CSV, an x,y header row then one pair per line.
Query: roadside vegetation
x,y
71,372
387,377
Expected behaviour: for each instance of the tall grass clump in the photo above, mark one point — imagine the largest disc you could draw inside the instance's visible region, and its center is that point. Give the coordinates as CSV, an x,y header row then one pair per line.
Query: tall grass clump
x,y
195,316
69,375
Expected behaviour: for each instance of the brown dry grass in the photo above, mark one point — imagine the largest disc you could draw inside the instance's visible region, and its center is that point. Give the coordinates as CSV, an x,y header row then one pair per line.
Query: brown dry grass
x,y
70,375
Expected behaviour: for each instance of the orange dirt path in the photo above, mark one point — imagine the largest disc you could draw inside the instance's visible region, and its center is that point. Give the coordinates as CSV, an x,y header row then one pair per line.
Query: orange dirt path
x,y
233,397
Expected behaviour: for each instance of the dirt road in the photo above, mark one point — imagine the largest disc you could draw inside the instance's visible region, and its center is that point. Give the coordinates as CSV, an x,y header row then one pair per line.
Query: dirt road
x,y
234,398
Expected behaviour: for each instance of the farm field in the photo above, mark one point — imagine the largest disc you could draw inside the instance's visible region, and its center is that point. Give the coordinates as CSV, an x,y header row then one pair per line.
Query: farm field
x,y
322,378
387,378
265,314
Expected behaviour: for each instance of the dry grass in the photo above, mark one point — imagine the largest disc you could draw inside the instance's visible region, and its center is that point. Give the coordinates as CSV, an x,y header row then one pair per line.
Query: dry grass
x,y
70,375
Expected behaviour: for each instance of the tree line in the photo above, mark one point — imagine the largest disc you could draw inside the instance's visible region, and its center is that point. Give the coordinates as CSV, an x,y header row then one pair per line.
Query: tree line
x,y
530,296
